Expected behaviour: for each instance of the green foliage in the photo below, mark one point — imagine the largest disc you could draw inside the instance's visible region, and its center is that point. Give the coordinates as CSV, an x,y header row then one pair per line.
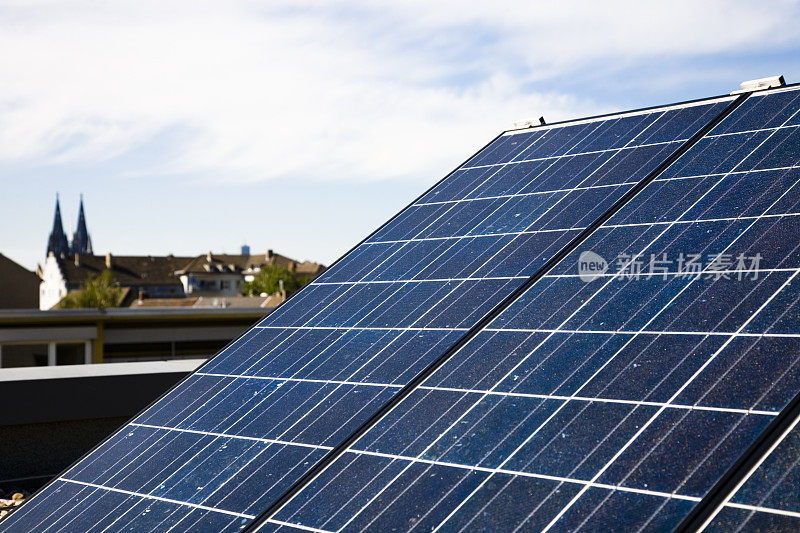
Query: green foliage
x,y
97,291
267,281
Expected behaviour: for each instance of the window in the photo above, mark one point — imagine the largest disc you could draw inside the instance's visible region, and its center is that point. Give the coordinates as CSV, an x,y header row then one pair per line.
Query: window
x,y
139,351
71,353
17,355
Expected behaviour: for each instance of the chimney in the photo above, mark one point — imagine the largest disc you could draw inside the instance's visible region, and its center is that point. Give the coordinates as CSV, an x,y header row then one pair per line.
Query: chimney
x,y
77,260
141,296
108,260
208,256
245,249
270,255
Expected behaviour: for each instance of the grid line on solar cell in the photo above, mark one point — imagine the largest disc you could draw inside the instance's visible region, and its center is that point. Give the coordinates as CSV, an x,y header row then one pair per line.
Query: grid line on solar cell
x,y
646,332
550,330
715,272
754,315
357,328
507,197
303,380
151,497
525,194
63,511
509,394
556,230
761,509
551,191
228,436
589,152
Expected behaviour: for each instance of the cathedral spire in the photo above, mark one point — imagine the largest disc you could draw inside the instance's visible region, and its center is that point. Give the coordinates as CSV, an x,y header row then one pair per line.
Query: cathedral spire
x,y
81,242
57,243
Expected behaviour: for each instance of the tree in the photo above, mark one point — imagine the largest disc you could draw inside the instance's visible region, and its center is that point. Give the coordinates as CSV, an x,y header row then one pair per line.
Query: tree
x,y
97,291
267,281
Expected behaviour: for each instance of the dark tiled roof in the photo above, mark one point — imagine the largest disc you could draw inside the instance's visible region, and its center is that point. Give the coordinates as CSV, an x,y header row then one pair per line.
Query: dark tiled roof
x,y
240,263
140,271
134,270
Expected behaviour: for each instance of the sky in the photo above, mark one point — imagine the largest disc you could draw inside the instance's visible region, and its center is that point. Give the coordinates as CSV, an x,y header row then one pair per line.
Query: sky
x,y
301,126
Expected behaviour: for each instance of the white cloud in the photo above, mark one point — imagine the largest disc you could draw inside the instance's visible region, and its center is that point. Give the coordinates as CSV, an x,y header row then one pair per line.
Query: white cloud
x,y
361,91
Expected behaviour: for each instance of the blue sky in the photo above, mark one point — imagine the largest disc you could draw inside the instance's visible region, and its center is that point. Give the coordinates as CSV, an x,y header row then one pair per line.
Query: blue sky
x,y
301,126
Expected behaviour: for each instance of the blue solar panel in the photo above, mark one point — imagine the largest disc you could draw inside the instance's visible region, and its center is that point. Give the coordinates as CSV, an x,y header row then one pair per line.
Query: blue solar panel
x,y
768,499
229,440
616,396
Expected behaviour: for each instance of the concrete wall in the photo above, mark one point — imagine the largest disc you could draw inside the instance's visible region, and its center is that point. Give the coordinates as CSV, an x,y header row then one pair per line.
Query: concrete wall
x,y
51,416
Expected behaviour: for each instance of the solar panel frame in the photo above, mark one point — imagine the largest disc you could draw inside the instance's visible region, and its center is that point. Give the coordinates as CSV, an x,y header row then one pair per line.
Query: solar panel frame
x,y
720,495
262,519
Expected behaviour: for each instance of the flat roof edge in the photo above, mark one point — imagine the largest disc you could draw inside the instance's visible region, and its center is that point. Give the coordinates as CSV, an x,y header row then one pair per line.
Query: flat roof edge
x,y
98,370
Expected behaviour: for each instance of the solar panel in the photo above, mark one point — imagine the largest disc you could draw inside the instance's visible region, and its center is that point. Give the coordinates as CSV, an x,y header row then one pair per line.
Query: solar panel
x,y
620,386
768,500
228,441
258,416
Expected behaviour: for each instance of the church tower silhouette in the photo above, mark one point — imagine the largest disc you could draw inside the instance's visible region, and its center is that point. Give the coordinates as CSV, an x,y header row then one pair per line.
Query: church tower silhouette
x,y
81,243
57,243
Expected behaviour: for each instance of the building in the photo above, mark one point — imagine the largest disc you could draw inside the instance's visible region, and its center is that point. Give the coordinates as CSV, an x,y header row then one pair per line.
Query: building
x,y
143,276
19,287
79,336
224,275
146,277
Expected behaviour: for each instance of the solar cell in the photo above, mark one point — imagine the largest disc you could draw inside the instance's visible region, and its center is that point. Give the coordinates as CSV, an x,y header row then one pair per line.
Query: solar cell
x,y
768,499
229,440
613,397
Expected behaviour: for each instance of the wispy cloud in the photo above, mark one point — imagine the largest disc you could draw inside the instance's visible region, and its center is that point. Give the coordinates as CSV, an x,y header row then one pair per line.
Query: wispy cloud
x,y
359,91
